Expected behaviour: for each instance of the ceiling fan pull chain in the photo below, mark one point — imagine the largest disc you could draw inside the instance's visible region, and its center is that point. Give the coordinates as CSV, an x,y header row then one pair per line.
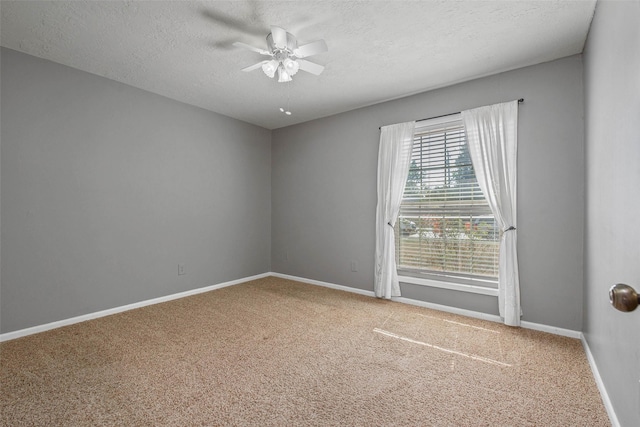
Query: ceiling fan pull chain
x,y
287,111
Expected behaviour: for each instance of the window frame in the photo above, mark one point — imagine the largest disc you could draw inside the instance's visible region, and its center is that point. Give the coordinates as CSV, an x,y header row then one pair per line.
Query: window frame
x,y
441,279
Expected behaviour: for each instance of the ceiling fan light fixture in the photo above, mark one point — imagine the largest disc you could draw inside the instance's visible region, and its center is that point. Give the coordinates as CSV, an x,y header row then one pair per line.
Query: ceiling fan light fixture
x,y
270,67
291,66
283,76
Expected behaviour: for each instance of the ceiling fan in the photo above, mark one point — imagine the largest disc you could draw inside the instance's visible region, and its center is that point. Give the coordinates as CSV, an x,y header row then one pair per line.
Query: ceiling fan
x,y
286,56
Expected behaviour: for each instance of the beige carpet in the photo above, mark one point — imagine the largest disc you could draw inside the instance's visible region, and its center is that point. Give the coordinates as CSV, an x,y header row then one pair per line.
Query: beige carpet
x,y
274,352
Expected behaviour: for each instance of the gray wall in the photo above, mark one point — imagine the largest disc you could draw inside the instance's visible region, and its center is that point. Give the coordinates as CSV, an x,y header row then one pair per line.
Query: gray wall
x,y
106,188
612,231
324,191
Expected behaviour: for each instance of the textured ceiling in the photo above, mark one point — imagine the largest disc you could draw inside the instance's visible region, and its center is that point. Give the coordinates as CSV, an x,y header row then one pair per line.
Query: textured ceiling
x,y
378,50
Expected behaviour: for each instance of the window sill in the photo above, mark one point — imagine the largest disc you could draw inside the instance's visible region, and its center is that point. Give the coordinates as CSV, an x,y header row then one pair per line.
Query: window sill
x,y
449,285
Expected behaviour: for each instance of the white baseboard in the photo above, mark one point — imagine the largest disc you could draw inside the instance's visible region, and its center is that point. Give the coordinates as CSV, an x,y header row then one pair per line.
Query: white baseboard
x,y
469,313
448,309
324,284
41,328
603,391
569,333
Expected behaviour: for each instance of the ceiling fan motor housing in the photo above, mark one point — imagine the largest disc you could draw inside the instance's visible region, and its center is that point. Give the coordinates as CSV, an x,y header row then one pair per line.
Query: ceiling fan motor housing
x,y
282,52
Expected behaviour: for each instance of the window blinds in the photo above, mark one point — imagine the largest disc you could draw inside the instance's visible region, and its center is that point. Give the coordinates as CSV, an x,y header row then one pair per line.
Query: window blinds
x,y
445,225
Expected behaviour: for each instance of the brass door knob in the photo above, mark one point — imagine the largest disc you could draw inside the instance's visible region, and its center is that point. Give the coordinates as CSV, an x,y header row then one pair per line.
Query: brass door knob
x,y
623,297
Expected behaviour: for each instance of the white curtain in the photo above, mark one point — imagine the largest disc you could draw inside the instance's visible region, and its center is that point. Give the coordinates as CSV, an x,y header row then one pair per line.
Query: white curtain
x,y
492,135
394,156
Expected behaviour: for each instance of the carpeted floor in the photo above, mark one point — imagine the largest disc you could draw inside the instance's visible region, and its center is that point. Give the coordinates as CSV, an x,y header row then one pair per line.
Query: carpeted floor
x,y
274,352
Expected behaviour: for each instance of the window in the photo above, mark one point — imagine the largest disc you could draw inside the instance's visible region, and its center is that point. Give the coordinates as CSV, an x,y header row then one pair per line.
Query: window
x,y
445,230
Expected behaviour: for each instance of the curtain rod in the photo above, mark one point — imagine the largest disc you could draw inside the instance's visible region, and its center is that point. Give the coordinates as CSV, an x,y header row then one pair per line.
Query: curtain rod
x,y
520,101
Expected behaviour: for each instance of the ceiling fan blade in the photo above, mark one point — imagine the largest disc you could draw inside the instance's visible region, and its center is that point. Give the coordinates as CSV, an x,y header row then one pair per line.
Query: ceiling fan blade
x,y
254,66
313,48
310,67
279,37
254,49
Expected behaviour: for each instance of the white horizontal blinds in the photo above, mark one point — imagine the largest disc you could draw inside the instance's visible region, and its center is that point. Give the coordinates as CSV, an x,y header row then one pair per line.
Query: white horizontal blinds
x,y
445,225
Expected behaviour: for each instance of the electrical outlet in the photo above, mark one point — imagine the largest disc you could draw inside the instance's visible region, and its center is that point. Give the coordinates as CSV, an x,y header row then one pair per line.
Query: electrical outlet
x,y
181,270
354,266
